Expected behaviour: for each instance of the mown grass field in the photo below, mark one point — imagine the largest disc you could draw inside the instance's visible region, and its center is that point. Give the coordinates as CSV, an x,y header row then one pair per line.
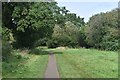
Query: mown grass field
x,y
28,66
87,63
71,63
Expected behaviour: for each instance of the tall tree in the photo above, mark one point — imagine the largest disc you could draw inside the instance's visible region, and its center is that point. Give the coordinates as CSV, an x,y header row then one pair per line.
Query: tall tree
x,y
102,31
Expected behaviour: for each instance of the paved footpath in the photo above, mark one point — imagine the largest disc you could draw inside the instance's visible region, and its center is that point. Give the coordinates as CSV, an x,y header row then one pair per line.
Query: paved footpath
x,y
51,71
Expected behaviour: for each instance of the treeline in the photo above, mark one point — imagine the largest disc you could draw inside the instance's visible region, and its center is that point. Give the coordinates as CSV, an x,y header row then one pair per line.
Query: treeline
x,y
102,31
31,24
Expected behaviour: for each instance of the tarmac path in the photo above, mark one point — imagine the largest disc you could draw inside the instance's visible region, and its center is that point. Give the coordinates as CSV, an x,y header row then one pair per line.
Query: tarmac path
x,y
51,71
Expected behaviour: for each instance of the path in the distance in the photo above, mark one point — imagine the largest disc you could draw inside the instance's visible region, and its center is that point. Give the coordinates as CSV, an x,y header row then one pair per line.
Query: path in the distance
x,y
51,71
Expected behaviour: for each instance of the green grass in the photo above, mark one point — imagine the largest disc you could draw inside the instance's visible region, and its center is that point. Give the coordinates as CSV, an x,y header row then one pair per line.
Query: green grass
x,y
29,66
0,69
71,63
87,63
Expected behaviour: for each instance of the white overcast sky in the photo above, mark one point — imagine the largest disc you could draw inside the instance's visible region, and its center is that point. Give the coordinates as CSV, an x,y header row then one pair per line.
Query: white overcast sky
x,y
87,8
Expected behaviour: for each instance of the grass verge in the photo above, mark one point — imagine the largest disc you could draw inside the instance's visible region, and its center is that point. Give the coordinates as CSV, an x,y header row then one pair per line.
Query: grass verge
x,y
87,63
25,65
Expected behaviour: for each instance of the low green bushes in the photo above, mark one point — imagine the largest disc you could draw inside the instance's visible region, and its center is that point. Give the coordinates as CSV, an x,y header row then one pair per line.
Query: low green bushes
x,y
6,50
6,46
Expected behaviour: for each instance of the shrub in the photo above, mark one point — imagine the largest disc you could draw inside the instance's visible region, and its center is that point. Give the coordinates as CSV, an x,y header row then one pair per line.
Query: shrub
x,y
40,42
37,51
6,47
110,45
52,44
18,56
6,50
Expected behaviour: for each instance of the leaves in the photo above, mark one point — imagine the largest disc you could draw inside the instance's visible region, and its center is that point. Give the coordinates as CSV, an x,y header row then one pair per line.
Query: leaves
x,y
102,31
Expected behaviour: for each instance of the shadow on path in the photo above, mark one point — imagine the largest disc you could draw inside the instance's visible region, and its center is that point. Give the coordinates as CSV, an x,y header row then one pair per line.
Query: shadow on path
x,y
41,51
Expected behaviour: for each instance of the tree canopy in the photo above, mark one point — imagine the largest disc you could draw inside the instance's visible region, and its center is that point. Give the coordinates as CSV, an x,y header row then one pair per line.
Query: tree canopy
x,y
31,24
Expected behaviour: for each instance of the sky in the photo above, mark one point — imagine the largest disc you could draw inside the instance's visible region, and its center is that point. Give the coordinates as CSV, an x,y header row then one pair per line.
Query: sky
x,y
87,9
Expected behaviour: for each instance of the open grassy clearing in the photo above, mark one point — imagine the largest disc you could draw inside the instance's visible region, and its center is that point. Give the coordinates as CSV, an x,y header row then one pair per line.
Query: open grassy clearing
x,y
87,63
29,66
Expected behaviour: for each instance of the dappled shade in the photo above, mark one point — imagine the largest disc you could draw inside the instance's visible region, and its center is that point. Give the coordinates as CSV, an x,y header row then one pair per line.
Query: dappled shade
x,y
42,51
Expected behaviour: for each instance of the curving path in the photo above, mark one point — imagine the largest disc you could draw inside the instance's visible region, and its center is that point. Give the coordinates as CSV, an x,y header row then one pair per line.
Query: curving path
x,y
51,71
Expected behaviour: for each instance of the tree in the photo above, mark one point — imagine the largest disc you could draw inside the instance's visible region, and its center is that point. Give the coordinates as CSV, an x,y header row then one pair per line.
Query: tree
x,y
59,36
76,20
102,31
34,21
67,35
82,37
95,30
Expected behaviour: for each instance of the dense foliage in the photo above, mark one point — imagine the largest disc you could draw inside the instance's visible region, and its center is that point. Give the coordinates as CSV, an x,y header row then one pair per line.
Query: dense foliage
x,y
6,47
32,23
102,31
67,35
28,25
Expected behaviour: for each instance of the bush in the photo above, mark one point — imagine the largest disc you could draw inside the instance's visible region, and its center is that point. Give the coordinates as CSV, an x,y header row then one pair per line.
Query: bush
x,y
6,46
52,44
6,50
18,56
37,51
40,42
109,45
